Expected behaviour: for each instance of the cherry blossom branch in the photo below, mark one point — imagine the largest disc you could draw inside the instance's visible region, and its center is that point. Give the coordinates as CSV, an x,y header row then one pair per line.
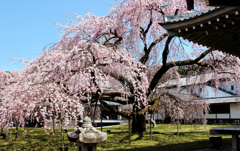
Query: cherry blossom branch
x,y
115,35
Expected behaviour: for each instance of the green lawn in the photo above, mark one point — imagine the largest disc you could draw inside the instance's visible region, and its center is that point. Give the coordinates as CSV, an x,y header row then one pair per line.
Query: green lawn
x,y
164,138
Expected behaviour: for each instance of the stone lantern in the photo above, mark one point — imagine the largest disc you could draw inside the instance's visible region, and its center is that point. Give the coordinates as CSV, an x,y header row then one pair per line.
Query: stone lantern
x,y
87,136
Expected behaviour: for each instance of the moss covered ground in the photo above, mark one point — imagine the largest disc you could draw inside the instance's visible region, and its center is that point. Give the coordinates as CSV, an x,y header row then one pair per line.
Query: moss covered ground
x,y
164,137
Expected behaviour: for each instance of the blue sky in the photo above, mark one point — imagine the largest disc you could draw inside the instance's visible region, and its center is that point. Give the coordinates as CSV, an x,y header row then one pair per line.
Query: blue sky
x,y
27,26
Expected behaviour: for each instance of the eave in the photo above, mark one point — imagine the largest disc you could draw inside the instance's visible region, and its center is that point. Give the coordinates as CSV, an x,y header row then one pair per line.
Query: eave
x,y
224,3
219,29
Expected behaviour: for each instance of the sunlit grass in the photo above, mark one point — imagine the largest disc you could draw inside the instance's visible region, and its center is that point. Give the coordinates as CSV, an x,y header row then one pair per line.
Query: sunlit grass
x,y
164,137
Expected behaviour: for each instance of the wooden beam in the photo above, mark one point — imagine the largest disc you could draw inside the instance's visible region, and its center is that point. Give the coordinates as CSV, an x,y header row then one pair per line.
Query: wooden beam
x,y
233,3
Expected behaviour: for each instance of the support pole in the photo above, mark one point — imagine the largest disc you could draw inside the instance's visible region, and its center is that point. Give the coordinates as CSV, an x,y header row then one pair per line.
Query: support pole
x,y
101,118
129,129
62,135
150,126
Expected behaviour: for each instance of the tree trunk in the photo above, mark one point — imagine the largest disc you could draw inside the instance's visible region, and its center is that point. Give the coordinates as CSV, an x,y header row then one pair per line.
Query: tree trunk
x,y
16,132
53,126
62,135
138,123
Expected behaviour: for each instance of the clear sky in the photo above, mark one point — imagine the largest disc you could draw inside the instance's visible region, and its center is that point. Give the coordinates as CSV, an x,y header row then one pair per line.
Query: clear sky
x,y
27,26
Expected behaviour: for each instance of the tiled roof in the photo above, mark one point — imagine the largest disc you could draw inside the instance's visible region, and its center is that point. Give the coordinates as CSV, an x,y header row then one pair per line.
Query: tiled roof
x,y
187,16
217,28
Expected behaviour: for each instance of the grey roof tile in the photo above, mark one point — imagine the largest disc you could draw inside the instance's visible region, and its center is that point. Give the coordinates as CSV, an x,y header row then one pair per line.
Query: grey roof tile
x,y
182,17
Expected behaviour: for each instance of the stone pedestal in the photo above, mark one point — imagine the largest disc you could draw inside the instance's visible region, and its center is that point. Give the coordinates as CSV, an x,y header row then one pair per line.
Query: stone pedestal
x,y
235,145
86,147
87,136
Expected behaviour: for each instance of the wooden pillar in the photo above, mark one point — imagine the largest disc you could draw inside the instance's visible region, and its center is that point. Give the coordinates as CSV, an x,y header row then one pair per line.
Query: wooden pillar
x,y
216,118
230,120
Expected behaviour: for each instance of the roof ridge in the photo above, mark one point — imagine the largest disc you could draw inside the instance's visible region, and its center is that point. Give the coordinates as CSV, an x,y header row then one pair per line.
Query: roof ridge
x,y
187,16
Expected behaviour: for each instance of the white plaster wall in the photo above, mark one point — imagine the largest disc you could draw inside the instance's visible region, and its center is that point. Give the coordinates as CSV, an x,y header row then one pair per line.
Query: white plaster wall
x,y
210,116
235,111
207,92
222,116
219,116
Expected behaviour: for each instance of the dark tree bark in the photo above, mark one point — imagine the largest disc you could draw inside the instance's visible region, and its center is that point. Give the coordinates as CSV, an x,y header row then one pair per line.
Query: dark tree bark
x,y
16,132
138,123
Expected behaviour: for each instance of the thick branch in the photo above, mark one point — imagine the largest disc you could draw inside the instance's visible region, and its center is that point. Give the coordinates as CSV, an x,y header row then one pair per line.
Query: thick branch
x,y
128,114
190,62
158,75
148,109
147,51
166,51
169,65
112,109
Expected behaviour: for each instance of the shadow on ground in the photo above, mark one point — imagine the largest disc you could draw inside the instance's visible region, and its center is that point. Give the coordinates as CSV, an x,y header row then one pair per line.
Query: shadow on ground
x,y
193,146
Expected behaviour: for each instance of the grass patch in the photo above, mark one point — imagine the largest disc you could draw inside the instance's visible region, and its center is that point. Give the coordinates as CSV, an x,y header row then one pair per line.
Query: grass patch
x,y
164,138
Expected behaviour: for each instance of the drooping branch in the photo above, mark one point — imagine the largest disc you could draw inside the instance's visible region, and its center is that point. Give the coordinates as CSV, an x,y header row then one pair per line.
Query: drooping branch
x,y
121,79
